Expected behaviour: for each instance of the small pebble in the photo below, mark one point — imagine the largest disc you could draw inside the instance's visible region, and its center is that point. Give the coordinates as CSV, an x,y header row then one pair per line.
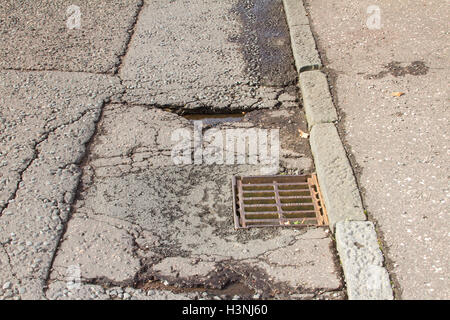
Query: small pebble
x,y
7,285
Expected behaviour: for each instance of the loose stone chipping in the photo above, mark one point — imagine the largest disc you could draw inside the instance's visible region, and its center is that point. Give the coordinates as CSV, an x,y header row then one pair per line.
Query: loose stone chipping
x,y
58,290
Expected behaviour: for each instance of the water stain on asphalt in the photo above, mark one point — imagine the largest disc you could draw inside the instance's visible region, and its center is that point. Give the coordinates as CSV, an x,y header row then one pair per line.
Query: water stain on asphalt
x,y
395,68
265,42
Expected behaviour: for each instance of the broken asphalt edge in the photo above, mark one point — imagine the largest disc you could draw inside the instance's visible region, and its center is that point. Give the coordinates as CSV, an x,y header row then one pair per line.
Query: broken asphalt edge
x,y
356,239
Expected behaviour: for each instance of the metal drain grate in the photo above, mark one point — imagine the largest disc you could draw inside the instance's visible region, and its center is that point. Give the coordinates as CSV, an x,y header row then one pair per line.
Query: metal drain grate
x,y
289,201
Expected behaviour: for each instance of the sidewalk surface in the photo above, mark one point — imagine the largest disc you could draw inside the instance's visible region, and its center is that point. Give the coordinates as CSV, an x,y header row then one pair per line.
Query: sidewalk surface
x,y
399,146
92,204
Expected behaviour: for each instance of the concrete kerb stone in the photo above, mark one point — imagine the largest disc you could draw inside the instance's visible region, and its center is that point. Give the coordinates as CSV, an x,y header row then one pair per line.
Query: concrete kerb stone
x,y
304,48
362,261
316,96
356,239
295,13
314,86
338,185
303,44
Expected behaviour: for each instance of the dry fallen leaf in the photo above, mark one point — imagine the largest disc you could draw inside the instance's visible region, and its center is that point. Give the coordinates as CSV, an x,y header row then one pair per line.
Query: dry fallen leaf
x,y
303,134
397,94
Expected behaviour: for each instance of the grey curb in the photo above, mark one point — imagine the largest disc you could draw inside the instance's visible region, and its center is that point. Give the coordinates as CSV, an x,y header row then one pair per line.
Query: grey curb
x,y
316,96
302,40
362,261
336,180
356,239
295,13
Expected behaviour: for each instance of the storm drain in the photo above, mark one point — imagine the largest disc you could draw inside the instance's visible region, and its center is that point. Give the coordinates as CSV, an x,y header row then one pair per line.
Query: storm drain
x,y
288,201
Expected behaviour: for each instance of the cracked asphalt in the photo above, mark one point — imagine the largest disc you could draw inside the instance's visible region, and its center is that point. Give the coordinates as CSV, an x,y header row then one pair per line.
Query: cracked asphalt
x,y
86,172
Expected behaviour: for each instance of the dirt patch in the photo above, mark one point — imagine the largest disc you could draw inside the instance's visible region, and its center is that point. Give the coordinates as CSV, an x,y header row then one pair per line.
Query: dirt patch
x,y
288,121
227,280
395,68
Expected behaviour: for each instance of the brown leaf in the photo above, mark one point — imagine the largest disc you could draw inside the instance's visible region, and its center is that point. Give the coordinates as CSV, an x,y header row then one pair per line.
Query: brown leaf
x,y
397,94
303,134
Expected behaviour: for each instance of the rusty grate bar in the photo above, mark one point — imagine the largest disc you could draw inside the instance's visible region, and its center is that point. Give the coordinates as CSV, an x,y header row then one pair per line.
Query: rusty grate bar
x,y
289,201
